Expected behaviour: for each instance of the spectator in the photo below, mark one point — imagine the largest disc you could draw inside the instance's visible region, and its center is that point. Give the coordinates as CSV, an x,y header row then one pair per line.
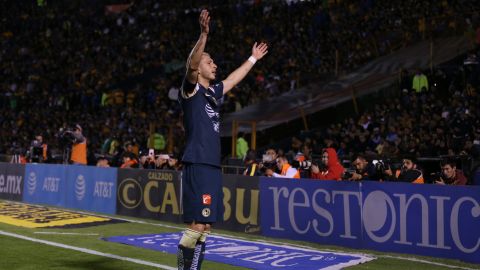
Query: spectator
x,y
161,162
242,146
420,82
173,164
330,168
146,161
156,141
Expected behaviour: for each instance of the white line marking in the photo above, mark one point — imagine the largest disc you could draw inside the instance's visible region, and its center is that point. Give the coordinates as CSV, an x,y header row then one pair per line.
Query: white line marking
x,y
66,233
412,259
89,251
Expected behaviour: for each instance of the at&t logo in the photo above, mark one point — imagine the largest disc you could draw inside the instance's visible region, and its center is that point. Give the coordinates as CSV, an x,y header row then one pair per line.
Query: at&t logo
x,y
32,183
80,187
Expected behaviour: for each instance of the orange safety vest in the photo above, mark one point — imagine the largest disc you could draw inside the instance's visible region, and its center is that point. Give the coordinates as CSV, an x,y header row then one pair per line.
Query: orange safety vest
x,y
419,180
285,169
129,164
79,152
45,147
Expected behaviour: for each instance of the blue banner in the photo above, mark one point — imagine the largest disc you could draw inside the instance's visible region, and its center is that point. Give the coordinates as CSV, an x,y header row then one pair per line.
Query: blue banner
x,y
45,184
249,254
431,220
476,177
324,212
92,189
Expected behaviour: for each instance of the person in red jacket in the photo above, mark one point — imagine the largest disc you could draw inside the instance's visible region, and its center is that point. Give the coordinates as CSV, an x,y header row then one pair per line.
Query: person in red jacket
x,y
330,168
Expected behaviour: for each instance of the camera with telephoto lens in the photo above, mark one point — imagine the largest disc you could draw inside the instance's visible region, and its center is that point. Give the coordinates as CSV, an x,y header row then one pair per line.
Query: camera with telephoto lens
x,y
380,165
348,174
65,137
36,151
436,176
307,164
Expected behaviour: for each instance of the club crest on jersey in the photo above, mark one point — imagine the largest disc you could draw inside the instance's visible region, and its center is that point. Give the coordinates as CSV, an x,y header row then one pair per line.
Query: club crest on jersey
x,y
206,199
214,116
206,212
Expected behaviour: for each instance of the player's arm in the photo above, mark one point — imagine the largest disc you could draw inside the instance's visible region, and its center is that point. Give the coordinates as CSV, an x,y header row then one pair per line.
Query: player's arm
x,y
258,51
196,54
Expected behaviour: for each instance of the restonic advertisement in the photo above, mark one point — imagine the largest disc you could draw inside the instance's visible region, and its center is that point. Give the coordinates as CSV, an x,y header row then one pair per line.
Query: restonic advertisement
x,y
432,220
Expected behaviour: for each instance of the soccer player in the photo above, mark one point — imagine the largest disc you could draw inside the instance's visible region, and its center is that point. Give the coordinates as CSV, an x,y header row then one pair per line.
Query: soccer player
x,y
201,178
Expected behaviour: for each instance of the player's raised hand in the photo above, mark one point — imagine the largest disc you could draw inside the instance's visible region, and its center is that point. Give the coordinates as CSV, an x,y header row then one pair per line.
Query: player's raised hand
x,y
258,51
204,21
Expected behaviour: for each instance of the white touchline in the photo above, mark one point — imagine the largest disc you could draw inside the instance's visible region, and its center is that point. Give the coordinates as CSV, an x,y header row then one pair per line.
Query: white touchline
x,y
89,251
66,233
424,261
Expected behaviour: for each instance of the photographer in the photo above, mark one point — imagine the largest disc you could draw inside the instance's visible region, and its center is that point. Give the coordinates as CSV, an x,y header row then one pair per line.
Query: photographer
x,y
102,161
303,161
329,168
129,160
251,164
269,161
408,173
450,175
79,146
39,151
286,171
365,170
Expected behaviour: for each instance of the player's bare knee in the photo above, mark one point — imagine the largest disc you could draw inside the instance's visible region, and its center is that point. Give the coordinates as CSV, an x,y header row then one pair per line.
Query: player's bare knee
x,y
198,227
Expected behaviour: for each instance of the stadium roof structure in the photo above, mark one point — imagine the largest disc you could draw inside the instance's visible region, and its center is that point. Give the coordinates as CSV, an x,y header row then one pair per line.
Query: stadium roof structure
x,y
370,78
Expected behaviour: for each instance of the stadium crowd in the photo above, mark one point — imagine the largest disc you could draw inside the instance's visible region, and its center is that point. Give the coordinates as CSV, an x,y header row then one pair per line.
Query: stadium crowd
x,y
116,72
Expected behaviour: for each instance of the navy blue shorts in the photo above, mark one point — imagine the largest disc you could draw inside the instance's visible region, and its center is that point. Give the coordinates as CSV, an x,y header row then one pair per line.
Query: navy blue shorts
x,y
202,193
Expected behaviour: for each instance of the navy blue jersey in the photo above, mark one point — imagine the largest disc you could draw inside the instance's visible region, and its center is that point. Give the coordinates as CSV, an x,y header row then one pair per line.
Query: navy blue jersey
x,y
201,121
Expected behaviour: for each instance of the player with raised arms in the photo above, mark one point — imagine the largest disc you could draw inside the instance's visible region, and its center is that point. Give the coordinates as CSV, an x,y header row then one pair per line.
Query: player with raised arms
x,y
202,177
